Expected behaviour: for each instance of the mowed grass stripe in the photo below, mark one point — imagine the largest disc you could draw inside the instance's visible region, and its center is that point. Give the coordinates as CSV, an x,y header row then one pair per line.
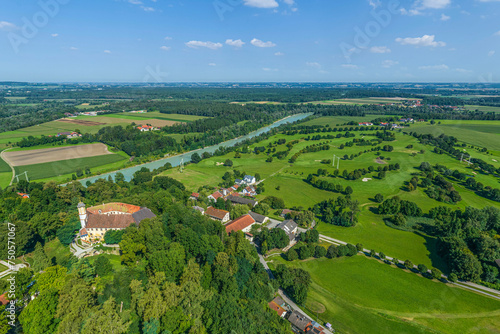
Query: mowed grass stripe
x,y
359,287
4,167
56,168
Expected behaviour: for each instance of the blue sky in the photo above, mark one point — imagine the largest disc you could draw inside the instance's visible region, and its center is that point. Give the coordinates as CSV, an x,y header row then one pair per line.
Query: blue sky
x,y
250,40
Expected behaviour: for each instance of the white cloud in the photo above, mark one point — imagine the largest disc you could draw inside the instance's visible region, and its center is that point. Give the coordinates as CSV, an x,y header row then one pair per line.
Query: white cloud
x,y
374,3
54,35
313,64
444,17
165,48
389,63
289,2
168,38
498,32
491,53
441,67
426,40
7,26
261,3
261,44
350,66
135,2
238,43
433,4
212,64
279,54
107,51
267,69
73,48
197,44
380,49
462,70
148,9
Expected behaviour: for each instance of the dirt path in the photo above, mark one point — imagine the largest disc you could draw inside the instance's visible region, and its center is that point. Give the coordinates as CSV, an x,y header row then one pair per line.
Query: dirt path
x,y
10,165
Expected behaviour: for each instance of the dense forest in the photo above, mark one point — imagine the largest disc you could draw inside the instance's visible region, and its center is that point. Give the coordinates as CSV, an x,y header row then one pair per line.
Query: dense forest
x,y
180,272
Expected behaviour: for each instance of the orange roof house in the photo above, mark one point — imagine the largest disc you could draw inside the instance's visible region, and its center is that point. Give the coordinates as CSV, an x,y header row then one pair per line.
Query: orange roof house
x,y
217,214
243,223
278,309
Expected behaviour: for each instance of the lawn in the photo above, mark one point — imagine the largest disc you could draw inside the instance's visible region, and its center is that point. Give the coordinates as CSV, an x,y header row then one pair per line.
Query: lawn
x,y
113,259
63,167
391,300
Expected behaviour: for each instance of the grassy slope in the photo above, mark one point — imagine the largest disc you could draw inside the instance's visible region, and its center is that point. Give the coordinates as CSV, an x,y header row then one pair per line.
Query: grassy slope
x,y
390,300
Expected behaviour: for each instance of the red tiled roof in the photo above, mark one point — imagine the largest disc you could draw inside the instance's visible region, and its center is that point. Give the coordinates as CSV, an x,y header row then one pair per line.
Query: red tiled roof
x,y
216,213
280,310
216,195
83,232
3,299
109,221
108,207
239,223
195,195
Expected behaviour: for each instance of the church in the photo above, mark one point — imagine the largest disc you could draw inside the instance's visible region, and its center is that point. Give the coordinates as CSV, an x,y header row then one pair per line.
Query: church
x,y
97,220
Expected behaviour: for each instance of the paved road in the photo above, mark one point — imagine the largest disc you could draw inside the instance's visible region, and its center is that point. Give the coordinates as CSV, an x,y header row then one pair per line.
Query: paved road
x,y
78,251
464,284
16,267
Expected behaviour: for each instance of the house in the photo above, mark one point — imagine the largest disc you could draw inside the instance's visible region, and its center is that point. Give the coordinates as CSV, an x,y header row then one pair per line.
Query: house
x,y
97,220
290,227
144,128
235,187
200,209
277,308
260,219
215,196
23,195
241,200
315,328
238,181
3,299
243,223
249,191
217,214
285,212
365,124
300,321
69,135
194,196
138,111
248,179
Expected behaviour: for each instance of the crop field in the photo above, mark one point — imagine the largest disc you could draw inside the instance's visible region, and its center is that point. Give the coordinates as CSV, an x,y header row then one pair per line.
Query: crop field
x,y
367,100
68,167
483,108
391,300
287,181
38,156
332,121
479,133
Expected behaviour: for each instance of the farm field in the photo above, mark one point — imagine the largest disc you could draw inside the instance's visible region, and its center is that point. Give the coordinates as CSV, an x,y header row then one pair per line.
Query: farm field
x,y
5,174
391,300
64,168
483,108
38,156
332,121
479,133
287,181
367,100
158,115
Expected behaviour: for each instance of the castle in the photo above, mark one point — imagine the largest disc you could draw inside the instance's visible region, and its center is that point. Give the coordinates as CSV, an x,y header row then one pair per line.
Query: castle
x,y
97,220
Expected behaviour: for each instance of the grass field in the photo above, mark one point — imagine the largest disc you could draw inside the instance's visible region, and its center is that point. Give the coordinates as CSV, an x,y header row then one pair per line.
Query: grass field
x,y
390,300
113,259
64,167
483,108
332,121
371,230
479,133
3,268
157,115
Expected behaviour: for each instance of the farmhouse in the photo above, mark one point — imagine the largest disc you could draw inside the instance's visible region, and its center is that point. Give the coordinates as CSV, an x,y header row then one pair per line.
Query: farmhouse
x,y
144,128
69,135
300,321
97,220
290,227
277,308
248,179
365,124
244,223
216,214
241,200
249,191
194,196
260,219
215,196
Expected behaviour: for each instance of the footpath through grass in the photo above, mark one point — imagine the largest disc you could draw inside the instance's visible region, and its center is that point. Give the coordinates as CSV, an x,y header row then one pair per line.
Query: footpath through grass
x,y
362,295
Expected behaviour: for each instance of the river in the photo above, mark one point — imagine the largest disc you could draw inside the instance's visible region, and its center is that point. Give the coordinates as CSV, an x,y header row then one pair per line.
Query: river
x,y
186,157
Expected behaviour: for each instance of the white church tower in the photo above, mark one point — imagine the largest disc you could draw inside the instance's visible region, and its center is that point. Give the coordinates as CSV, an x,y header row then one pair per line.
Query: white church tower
x,y
82,212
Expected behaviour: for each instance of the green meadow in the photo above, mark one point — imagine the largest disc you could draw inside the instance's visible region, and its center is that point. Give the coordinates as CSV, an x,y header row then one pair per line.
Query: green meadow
x,y
64,168
287,181
391,300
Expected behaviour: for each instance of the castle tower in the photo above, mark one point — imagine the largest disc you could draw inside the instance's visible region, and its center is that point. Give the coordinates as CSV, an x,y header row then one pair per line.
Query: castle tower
x,y
82,212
